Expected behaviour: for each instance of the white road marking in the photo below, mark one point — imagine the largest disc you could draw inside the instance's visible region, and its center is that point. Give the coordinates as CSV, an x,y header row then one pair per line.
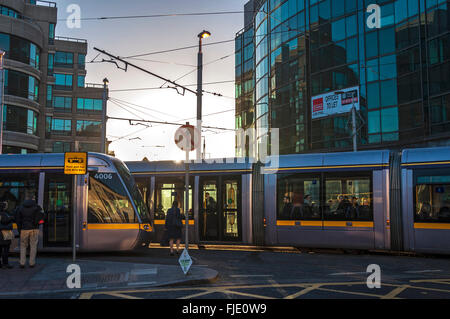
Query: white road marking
x,y
137,272
141,283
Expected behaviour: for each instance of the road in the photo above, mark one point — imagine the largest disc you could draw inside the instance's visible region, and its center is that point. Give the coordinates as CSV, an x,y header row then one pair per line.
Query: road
x,y
288,274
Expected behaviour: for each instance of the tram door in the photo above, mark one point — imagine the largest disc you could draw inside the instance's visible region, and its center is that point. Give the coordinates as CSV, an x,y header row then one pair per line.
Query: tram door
x,y
220,212
58,210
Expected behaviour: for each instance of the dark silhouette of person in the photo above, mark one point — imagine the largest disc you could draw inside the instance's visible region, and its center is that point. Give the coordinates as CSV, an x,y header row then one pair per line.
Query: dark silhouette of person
x,y
287,208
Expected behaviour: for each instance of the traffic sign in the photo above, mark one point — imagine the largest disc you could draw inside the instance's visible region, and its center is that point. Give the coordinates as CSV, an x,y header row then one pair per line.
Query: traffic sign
x,y
75,163
187,138
185,261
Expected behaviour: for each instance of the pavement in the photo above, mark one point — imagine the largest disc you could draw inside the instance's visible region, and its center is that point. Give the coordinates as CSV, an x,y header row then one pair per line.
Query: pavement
x,y
50,276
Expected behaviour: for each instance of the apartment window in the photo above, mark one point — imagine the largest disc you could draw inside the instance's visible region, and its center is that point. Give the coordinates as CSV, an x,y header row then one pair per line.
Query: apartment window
x,y
89,128
81,61
64,59
61,147
89,105
51,33
81,80
64,81
59,126
62,104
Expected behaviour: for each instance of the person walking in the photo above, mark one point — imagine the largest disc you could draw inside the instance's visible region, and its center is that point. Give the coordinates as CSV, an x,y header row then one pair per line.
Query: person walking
x,y
28,218
6,234
174,225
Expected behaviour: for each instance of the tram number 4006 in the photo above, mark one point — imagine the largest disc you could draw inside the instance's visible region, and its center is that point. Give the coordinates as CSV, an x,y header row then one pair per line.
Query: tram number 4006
x,y
103,176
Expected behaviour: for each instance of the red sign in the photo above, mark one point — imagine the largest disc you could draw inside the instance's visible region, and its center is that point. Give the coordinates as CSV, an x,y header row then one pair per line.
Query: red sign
x,y
318,105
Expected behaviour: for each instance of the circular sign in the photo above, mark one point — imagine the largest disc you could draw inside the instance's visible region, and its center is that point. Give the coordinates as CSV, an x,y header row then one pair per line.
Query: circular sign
x,y
187,138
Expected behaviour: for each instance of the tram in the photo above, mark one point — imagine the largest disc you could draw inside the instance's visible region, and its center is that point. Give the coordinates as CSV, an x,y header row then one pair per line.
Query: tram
x,y
110,214
368,200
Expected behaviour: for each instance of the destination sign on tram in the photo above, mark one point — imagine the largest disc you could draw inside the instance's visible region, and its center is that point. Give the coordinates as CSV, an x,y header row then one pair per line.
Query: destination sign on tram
x,y
75,163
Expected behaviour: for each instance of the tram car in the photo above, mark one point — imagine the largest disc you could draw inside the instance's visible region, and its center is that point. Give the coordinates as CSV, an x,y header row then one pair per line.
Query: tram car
x,y
104,206
368,200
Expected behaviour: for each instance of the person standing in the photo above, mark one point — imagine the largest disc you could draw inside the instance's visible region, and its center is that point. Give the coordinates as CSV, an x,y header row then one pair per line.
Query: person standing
x,y
28,218
174,225
6,234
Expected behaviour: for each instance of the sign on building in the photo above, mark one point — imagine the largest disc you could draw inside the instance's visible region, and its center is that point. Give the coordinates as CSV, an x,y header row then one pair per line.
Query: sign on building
x,y
75,163
337,102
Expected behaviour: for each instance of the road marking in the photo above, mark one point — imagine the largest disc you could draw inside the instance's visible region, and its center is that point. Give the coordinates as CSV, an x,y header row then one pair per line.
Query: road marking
x,y
394,293
139,283
422,271
303,292
249,276
123,296
137,272
278,288
207,292
348,273
349,292
245,294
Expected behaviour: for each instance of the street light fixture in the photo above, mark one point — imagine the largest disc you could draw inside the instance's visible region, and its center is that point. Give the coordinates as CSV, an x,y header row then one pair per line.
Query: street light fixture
x,y
203,35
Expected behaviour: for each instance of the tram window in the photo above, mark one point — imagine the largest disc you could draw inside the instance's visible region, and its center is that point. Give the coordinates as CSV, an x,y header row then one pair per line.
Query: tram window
x,y
348,198
15,188
167,192
108,201
433,199
298,198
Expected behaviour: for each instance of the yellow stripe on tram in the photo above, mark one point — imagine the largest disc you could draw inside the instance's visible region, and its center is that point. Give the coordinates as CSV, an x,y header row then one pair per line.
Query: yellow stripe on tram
x,y
163,222
313,223
113,226
431,226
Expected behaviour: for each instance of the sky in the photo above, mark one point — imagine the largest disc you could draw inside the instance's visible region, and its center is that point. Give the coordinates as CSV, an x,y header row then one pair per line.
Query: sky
x,y
126,37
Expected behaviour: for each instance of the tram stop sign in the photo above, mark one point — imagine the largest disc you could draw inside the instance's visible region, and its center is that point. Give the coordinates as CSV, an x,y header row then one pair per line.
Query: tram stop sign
x,y
187,138
75,163
185,261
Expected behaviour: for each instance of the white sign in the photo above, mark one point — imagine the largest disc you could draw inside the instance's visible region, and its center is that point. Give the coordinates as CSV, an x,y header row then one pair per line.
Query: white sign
x,y
331,103
185,261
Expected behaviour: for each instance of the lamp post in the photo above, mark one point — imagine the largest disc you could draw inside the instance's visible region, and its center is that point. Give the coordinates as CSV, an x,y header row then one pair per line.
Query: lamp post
x,y
104,114
204,34
2,87
354,135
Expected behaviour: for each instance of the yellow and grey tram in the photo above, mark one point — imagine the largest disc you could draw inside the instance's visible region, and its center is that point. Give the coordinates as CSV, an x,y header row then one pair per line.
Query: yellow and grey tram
x,y
110,214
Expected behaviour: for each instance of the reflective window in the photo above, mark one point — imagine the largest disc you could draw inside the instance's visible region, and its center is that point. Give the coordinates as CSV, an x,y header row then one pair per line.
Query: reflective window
x,y
89,128
64,59
22,85
348,198
432,199
62,103
64,81
61,147
59,126
167,191
108,201
20,50
89,105
81,80
298,197
19,119
15,188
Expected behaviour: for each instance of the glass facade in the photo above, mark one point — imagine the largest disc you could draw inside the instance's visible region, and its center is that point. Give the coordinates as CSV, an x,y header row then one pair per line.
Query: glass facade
x,y
305,48
19,119
20,50
21,85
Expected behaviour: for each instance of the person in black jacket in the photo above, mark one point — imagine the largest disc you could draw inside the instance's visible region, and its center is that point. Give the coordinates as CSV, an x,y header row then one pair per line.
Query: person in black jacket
x,y
6,226
174,225
28,217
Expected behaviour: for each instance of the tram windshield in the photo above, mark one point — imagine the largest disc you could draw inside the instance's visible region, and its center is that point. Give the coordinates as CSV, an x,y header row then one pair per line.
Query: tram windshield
x,y
134,191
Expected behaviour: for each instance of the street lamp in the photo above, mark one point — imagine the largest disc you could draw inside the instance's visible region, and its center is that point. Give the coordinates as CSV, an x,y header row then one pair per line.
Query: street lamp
x,y
354,135
104,115
203,35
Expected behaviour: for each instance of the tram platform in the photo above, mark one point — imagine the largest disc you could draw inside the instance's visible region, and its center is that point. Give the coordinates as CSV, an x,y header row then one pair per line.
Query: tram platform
x,y
50,276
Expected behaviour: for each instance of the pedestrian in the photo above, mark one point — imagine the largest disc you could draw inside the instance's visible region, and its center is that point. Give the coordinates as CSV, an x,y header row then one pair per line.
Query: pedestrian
x,y
28,218
174,225
6,234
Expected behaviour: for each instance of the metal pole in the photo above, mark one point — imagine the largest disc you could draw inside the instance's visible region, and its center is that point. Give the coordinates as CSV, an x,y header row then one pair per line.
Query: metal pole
x,y
355,146
199,97
104,114
74,222
2,90
186,207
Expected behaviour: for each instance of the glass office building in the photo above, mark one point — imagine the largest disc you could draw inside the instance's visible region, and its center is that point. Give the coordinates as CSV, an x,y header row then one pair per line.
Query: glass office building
x,y
300,49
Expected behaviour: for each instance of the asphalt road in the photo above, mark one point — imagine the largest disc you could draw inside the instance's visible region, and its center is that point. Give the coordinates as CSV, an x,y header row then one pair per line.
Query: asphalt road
x,y
260,274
